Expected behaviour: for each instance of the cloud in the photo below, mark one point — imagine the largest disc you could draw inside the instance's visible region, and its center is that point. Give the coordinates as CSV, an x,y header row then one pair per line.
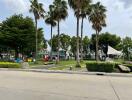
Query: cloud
x,y
17,6
119,16
127,3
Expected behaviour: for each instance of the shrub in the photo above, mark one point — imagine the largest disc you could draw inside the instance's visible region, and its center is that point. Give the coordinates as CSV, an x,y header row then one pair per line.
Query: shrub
x,y
78,66
9,65
101,66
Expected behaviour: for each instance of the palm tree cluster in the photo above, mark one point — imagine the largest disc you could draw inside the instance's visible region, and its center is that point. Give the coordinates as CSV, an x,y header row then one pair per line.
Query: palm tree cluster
x,y
95,13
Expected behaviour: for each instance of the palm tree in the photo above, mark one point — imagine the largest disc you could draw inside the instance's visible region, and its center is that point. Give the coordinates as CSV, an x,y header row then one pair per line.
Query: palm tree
x,y
97,17
85,11
51,21
38,12
40,38
60,12
76,5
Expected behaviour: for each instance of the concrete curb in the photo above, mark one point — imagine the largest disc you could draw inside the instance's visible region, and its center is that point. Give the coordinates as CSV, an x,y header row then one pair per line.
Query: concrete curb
x,y
69,72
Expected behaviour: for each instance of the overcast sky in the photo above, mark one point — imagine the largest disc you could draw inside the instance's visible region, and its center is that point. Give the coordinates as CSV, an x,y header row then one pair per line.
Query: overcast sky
x,y
119,16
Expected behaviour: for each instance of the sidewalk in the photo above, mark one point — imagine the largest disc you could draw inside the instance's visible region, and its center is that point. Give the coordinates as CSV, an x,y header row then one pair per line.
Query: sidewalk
x,y
70,72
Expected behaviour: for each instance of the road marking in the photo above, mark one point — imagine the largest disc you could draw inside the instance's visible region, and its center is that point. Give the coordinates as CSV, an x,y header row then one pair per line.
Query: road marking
x,y
118,97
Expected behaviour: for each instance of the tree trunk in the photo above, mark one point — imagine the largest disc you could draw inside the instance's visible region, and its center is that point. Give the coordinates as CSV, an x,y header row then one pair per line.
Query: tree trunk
x,y
51,44
36,55
97,51
82,39
16,53
78,60
58,55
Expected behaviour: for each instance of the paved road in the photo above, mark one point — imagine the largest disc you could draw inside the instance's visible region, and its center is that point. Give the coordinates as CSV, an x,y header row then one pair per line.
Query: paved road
x,y
49,86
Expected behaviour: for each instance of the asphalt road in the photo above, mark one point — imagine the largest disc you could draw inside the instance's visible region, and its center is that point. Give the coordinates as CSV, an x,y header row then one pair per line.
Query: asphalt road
x,y
50,86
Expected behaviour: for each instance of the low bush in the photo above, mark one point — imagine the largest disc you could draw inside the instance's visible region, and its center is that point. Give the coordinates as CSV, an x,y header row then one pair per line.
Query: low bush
x,y
9,65
78,66
101,66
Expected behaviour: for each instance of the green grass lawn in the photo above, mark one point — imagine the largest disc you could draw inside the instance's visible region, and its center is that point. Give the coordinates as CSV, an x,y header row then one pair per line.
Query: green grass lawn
x,y
119,60
40,62
67,64
62,65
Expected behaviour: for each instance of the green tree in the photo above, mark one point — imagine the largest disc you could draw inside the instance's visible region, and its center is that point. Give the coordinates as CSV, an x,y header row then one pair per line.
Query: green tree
x,y
127,47
86,43
107,39
73,46
18,33
41,40
50,20
65,41
60,12
97,17
54,43
37,9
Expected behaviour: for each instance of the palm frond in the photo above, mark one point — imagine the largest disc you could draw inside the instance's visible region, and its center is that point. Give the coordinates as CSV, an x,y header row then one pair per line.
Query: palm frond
x,y
97,16
37,9
60,9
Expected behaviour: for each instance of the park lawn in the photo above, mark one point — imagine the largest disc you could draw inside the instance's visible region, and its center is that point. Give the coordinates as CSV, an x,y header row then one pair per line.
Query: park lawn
x,y
40,62
119,60
63,65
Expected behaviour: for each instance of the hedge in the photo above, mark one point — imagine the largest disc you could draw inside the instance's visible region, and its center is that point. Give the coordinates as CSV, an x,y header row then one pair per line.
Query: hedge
x,y
9,65
101,66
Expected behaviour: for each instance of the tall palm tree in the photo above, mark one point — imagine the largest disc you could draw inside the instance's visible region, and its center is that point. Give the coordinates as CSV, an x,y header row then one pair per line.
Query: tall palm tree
x,y
37,9
40,38
97,17
51,21
85,11
76,5
60,12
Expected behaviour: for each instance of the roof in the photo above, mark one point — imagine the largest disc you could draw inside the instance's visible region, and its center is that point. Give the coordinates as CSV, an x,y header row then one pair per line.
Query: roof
x,y
113,51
